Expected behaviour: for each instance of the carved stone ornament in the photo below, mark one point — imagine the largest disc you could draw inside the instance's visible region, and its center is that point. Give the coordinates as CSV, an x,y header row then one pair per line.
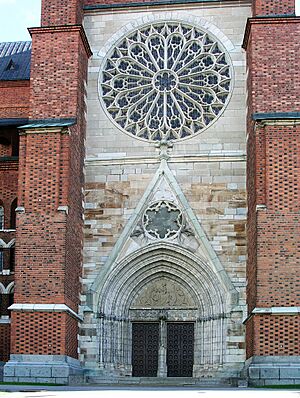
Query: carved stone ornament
x,y
163,293
162,220
166,81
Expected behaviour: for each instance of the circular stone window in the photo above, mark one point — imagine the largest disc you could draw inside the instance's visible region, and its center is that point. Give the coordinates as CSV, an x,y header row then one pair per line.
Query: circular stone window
x,y
166,81
162,220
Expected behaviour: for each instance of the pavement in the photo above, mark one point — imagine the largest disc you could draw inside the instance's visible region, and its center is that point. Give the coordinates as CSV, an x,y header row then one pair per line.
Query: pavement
x,y
17,391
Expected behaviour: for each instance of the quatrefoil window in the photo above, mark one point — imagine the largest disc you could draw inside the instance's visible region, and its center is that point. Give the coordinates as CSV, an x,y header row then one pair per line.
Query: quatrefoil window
x,y
162,220
166,81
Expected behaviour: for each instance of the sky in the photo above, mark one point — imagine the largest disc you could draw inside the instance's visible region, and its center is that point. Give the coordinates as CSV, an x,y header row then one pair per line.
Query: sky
x,y
17,15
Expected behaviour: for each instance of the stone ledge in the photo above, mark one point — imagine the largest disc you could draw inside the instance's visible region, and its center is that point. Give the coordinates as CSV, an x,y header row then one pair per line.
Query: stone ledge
x,y
274,370
58,369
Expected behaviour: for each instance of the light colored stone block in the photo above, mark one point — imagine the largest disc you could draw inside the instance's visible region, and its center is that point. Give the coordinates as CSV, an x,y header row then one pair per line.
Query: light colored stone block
x,y
269,373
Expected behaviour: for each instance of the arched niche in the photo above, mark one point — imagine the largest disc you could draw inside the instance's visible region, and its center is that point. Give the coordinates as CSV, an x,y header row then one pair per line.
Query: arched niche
x,y
162,281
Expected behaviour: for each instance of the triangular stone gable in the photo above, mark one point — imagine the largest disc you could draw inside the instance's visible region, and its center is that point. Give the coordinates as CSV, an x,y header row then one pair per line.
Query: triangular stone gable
x,y
164,186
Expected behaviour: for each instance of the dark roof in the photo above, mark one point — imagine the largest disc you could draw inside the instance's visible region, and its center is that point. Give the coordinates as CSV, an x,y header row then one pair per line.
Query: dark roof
x,y
12,122
63,122
15,60
276,115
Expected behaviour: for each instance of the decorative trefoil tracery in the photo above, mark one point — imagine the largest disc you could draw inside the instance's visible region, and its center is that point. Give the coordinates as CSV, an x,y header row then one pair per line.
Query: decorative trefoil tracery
x,y
166,81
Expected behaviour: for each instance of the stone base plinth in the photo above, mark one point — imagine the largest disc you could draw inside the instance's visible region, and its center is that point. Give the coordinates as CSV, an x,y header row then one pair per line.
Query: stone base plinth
x,y
273,370
57,369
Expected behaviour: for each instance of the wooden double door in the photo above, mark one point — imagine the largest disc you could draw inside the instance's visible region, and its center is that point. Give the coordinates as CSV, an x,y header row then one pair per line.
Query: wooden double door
x,y
179,343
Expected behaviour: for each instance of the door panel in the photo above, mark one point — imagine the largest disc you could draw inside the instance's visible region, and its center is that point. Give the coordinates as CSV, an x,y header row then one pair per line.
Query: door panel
x,y
180,349
145,340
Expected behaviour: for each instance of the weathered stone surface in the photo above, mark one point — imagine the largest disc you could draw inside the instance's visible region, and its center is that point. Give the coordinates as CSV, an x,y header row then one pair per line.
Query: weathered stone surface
x,y
209,170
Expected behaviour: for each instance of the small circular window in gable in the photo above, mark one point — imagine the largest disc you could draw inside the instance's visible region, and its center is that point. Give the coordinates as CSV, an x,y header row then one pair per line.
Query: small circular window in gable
x,y
162,220
166,81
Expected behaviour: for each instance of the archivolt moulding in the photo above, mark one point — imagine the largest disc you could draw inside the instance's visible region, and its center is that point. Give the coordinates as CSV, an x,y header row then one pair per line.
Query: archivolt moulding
x,y
131,275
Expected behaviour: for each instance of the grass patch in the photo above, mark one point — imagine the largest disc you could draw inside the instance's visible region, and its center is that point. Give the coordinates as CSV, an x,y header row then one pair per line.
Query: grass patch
x,y
282,387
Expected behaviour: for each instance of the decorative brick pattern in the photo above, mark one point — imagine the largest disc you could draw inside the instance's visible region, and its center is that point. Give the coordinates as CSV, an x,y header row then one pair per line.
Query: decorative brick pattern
x,y
8,188
49,231
252,183
278,253
273,7
249,336
283,168
4,342
277,335
44,333
273,179
95,2
71,337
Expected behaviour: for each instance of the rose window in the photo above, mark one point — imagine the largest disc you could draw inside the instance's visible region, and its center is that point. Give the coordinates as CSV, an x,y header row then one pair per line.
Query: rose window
x,y
166,81
162,220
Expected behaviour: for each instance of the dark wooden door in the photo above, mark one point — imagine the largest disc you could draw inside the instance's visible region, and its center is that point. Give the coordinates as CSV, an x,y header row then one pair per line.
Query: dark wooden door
x,y
145,340
180,349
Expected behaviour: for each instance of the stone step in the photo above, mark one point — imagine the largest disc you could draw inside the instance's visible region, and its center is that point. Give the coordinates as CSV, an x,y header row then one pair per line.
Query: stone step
x,y
160,381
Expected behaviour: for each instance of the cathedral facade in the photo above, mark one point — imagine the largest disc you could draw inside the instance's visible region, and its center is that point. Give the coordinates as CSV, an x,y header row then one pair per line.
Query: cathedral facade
x,y
149,210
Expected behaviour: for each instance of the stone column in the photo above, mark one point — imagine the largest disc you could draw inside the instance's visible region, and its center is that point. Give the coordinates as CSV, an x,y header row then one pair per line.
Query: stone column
x,y
162,350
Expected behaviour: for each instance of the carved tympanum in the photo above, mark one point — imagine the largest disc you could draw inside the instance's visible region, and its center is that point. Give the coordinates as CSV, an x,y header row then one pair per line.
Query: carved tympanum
x,y
162,293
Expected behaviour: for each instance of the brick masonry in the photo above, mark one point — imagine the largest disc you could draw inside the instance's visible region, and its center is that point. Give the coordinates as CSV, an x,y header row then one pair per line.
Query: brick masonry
x,y
16,94
8,195
48,181
273,184
273,7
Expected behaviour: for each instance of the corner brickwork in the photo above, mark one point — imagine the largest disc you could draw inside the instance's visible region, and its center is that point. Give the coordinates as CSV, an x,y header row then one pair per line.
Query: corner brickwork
x,y
273,185
61,12
273,7
49,223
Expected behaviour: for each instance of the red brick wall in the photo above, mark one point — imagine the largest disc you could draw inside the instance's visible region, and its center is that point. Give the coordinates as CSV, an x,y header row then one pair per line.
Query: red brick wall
x,y
5,149
276,335
48,255
274,81
16,103
273,180
94,2
8,192
8,187
74,229
278,252
44,333
251,223
43,171
55,76
4,342
61,12
275,7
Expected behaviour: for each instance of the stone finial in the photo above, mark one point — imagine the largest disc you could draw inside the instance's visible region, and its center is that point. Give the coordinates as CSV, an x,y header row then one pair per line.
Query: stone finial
x,y
164,147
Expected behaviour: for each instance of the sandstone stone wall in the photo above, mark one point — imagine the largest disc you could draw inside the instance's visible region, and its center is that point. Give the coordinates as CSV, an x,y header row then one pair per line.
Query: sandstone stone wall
x,y
209,168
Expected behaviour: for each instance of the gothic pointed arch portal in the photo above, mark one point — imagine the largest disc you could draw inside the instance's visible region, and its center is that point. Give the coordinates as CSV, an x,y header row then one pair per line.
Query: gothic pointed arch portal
x,y
162,283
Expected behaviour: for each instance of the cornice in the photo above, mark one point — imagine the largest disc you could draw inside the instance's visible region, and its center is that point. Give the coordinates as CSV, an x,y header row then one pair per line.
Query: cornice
x,y
284,311
157,3
264,20
64,28
24,307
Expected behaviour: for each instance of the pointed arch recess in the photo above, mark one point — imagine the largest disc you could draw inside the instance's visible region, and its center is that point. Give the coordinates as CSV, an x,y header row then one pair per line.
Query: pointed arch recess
x,y
211,260
120,287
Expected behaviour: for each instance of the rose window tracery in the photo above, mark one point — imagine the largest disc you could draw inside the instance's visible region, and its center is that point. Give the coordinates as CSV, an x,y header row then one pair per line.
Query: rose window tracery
x,y
162,220
166,81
